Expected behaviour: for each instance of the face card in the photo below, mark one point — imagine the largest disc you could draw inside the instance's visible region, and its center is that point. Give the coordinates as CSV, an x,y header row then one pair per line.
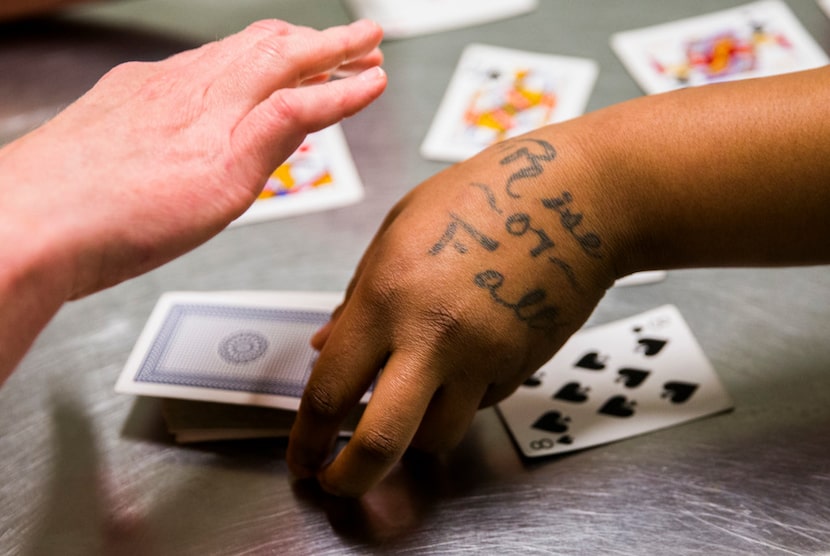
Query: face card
x,y
319,175
498,93
754,40
400,19
234,347
615,381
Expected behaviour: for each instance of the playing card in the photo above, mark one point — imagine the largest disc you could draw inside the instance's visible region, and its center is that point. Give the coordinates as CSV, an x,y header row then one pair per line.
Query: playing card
x,y
233,347
825,5
754,40
319,175
497,93
407,18
614,381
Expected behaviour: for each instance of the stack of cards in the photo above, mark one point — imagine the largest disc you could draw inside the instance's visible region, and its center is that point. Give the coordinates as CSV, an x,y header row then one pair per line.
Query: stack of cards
x,y
614,381
193,421
498,93
407,18
319,175
243,348
755,40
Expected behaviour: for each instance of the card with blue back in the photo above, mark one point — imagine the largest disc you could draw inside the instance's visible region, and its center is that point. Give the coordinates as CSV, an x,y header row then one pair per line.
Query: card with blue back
x,y
247,348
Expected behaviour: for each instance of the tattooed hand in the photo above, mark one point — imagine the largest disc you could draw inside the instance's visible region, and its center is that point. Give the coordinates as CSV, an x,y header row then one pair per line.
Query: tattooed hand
x,y
474,280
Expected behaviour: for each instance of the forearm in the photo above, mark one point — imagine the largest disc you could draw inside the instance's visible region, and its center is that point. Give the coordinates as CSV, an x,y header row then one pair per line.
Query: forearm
x,y
727,175
11,9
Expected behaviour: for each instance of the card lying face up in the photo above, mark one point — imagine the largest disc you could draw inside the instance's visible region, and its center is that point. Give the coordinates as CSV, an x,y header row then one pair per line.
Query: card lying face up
x,y
615,381
319,175
408,18
755,40
498,93
234,347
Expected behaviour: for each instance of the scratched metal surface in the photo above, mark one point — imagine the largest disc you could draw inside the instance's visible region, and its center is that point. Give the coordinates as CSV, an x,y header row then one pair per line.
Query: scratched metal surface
x,y
86,471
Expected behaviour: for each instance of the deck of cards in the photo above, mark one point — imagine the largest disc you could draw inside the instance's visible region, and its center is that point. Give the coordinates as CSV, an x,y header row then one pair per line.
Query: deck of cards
x,y
754,40
201,351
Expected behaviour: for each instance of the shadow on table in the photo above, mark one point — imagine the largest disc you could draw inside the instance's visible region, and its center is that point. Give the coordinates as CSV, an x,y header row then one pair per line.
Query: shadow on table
x,y
48,63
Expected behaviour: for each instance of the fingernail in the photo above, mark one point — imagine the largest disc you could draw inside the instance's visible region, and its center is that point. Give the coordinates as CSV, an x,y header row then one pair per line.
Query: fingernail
x,y
372,74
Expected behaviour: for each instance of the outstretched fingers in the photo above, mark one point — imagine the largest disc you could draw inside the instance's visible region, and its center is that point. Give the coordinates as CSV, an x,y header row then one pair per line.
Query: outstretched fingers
x,y
271,55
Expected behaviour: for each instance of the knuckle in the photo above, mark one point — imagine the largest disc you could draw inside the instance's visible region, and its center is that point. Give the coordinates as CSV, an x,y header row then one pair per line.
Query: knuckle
x,y
271,26
444,321
321,404
380,445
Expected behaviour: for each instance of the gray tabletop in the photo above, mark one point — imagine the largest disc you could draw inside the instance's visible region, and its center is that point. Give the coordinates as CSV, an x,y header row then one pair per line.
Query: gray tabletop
x,y
87,471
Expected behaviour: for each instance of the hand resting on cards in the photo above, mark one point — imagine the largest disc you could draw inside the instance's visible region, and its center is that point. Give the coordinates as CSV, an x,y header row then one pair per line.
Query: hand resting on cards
x,y
158,157
479,274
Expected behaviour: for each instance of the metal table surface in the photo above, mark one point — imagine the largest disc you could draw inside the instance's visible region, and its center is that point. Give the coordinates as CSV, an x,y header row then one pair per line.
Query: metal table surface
x,y
87,471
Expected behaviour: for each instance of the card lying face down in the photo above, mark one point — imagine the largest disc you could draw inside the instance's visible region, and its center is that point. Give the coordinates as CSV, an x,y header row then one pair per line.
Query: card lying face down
x,y
754,40
614,381
498,93
247,348
407,18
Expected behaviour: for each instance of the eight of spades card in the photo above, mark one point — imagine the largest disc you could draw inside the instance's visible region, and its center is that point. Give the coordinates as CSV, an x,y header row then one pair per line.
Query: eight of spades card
x,y
614,381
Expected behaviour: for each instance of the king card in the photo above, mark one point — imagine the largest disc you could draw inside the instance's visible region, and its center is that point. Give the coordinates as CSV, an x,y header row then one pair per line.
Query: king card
x,y
498,93
754,40
614,381
319,175
400,19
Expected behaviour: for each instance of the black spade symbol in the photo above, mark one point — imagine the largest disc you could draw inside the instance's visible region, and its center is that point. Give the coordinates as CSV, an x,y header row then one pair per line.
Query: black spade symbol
x,y
567,439
552,421
678,392
618,406
632,378
651,346
572,392
592,361
532,382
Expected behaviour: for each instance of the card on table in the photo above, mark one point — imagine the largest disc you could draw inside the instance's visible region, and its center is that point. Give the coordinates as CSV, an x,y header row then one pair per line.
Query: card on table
x,y
614,381
319,175
497,93
233,347
408,18
754,40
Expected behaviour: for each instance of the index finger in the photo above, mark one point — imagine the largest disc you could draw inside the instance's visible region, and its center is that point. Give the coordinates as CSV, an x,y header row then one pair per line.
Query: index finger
x,y
393,416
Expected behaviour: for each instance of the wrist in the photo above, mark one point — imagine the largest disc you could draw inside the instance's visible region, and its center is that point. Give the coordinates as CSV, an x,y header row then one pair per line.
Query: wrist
x,y
615,153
